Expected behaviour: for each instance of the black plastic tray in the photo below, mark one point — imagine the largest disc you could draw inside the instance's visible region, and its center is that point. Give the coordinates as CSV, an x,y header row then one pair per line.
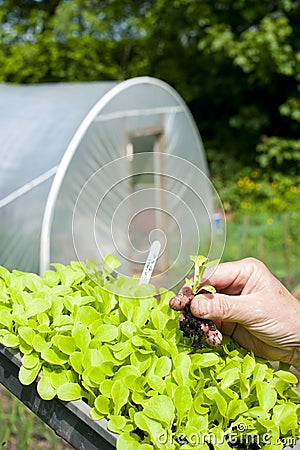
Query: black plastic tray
x,y
69,420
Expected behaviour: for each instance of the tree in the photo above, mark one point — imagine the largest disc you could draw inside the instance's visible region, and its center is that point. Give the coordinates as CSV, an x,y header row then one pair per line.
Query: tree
x,y
69,40
235,62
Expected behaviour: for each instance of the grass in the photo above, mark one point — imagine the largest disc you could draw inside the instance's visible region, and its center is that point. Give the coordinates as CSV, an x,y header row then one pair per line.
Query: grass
x,y
274,239
22,430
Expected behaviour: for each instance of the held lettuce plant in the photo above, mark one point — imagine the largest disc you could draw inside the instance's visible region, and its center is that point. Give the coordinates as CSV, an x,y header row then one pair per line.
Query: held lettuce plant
x,y
195,328
200,264
114,344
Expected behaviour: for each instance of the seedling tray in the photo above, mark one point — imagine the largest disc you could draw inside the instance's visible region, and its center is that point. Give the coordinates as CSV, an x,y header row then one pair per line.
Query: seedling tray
x,y
69,420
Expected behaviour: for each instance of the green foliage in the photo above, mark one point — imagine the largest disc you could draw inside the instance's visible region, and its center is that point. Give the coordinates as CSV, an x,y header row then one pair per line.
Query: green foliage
x,y
240,58
273,237
22,430
279,153
245,66
263,218
146,380
69,40
200,264
253,190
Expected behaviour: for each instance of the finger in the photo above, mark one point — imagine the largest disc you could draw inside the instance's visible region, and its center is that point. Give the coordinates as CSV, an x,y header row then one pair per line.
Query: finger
x,y
222,307
232,277
183,298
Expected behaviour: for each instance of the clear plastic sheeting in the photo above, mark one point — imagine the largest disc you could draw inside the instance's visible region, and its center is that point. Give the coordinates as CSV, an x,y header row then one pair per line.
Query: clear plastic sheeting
x,y
94,168
37,123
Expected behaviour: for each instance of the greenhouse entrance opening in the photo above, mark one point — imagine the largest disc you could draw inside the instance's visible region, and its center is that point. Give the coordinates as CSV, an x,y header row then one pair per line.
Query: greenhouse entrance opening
x,y
147,174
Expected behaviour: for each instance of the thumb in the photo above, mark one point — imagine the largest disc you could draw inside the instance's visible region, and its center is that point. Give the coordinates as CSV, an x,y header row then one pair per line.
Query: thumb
x,y
228,308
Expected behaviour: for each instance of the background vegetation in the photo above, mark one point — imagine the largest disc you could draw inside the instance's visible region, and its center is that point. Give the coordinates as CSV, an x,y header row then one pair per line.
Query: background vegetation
x,y
235,62
22,430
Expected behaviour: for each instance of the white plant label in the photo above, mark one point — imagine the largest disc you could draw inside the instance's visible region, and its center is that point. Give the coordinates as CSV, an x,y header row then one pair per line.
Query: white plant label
x,y
150,263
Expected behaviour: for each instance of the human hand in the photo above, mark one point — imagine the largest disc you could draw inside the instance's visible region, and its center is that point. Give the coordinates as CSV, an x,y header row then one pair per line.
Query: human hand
x,y
194,327
254,308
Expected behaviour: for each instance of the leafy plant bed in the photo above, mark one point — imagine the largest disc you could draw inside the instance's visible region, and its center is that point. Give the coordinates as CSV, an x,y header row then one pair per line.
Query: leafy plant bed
x,y
112,349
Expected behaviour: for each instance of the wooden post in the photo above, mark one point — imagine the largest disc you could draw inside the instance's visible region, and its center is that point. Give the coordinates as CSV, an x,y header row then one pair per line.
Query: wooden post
x,y
244,235
261,253
287,255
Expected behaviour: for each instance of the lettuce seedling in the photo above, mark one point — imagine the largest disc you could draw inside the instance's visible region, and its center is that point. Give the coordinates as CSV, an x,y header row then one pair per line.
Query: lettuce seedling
x,y
197,329
199,266
114,344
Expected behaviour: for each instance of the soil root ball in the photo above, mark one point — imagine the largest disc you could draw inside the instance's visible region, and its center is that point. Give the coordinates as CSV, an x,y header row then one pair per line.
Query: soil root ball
x,y
198,330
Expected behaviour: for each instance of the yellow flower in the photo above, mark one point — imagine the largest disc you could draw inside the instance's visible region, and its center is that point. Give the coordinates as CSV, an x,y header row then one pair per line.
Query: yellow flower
x,y
245,205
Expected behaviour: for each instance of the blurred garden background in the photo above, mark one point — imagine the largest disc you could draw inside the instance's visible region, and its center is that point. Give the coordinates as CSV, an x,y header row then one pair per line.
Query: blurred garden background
x,y
236,63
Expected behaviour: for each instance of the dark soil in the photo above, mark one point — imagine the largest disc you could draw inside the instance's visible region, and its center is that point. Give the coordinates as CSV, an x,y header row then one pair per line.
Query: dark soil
x,y
192,327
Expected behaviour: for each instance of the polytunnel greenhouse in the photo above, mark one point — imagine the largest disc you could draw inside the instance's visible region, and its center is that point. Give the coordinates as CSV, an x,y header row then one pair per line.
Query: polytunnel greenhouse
x,y
94,168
